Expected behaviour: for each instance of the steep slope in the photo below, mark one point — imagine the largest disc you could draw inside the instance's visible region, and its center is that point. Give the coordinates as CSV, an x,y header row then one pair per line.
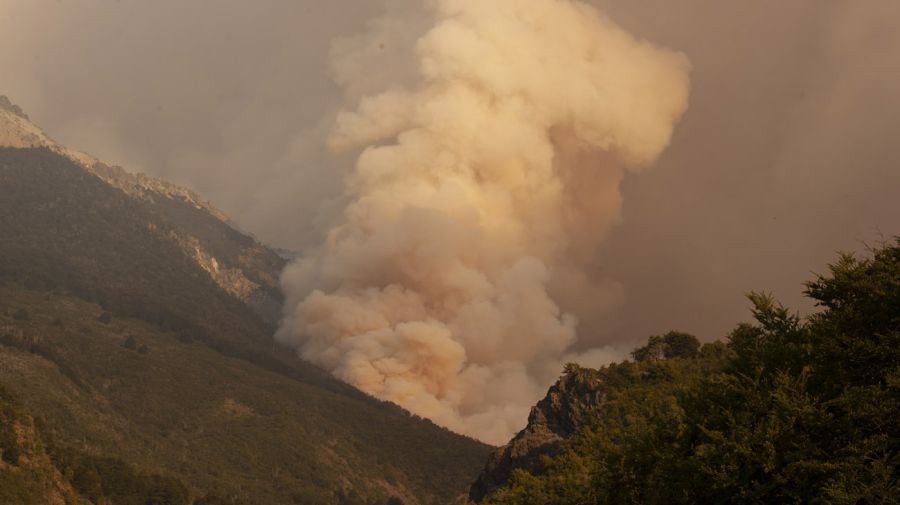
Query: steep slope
x,y
564,411
235,261
584,404
34,471
27,473
126,346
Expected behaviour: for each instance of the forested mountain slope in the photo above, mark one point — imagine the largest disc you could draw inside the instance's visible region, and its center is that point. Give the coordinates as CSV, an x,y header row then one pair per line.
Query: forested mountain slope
x,y
138,367
236,262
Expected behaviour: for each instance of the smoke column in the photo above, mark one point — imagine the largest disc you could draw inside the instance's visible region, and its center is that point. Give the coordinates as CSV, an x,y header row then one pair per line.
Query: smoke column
x,y
487,175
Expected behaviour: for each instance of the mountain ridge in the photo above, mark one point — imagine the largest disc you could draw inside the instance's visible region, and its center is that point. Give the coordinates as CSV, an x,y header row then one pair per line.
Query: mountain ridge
x,y
119,338
238,263
565,409
17,130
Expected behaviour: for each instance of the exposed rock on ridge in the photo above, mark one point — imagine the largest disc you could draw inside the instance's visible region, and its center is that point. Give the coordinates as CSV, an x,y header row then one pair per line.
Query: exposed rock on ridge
x,y
565,410
17,130
240,265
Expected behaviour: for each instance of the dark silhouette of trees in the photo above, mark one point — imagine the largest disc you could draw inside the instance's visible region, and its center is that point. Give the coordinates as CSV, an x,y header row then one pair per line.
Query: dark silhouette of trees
x,y
790,410
674,344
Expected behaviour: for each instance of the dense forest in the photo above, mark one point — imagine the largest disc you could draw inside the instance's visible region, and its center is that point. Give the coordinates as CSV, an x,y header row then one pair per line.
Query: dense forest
x,y
787,410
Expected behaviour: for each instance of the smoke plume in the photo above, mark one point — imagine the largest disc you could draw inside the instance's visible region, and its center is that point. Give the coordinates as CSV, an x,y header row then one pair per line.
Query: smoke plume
x,y
484,182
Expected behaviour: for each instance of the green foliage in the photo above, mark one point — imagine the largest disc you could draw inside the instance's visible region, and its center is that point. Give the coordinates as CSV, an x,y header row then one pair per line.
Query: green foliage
x,y
66,230
653,351
857,336
680,345
47,468
571,368
674,344
27,475
790,411
218,425
10,449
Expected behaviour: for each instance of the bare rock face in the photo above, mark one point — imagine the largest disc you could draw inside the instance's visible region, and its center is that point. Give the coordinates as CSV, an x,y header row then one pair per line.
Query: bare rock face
x,y
566,409
239,264
7,105
16,130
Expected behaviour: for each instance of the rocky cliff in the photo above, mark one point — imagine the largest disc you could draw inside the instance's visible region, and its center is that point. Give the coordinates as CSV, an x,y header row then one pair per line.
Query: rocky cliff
x,y
564,410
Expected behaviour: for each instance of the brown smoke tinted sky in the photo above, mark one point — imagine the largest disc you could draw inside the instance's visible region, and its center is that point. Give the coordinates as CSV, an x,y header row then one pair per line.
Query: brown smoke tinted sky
x,y
787,152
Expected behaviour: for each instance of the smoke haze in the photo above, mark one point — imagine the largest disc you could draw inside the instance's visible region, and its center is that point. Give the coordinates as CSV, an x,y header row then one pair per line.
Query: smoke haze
x,y
786,154
479,191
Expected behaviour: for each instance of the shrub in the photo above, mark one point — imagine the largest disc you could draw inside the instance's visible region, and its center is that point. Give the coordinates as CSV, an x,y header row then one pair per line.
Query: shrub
x,y
9,445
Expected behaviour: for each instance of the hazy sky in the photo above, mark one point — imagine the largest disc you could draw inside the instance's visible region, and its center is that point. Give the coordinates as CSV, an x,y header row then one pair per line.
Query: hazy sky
x,y
787,152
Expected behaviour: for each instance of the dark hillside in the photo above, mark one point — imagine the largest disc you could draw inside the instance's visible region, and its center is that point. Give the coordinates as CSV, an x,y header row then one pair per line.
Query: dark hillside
x,y
136,361
233,255
235,261
790,410
65,229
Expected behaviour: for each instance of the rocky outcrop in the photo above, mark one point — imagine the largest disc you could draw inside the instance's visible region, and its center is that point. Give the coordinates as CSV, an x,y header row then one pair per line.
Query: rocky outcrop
x,y
566,409
17,130
262,296
7,105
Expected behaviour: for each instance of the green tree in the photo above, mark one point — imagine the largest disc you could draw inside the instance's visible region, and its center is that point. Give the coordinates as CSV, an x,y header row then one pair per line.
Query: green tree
x,y
677,344
653,351
674,344
790,410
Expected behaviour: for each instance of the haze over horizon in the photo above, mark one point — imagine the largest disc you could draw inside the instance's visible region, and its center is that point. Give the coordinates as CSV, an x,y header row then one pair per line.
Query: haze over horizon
x,y
783,157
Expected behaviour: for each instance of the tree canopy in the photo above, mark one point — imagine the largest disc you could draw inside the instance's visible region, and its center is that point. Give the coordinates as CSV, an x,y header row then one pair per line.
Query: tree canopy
x,y
790,410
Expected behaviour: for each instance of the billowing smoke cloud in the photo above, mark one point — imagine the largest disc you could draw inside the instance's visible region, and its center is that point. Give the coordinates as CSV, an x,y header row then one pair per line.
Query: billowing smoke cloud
x,y
489,170
787,154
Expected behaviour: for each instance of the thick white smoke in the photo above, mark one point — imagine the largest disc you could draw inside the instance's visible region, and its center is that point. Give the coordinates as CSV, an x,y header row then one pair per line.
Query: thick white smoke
x,y
483,185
